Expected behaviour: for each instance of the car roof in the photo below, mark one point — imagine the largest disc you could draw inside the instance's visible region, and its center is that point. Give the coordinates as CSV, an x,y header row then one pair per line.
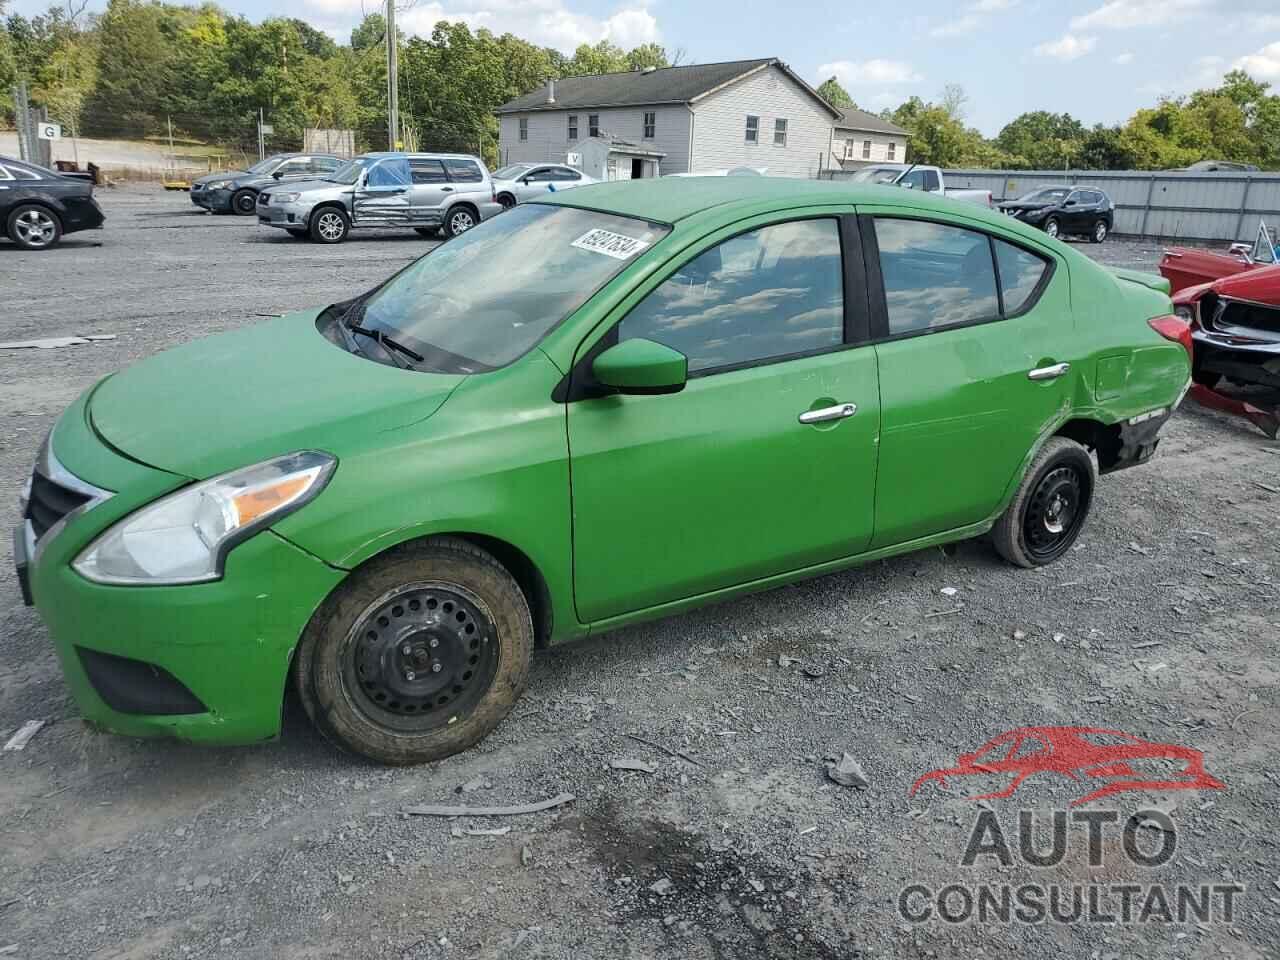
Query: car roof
x,y
421,154
669,199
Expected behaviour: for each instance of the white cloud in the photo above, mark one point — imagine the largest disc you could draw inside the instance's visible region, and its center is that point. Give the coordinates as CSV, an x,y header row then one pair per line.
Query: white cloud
x,y
1123,59
1263,65
1068,48
856,73
956,28
544,22
1125,14
993,6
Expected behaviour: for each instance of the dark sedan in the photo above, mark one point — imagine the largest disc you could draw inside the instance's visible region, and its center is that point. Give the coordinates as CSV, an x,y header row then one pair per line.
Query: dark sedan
x,y
1065,211
236,191
37,206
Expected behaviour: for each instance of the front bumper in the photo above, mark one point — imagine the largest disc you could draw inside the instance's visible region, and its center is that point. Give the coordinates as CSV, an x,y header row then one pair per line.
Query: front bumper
x,y
133,656
216,200
288,216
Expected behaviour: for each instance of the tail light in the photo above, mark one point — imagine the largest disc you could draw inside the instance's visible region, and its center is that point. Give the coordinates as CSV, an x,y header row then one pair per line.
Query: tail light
x,y
1175,329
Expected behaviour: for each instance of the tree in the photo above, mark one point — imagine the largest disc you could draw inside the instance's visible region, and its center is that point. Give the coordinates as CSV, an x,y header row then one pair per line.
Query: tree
x,y
1041,140
647,55
834,94
135,70
953,100
603,57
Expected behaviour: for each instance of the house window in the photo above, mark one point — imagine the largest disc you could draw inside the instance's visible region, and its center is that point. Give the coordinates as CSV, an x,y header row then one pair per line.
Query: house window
x,y
573,126
524,128
779,133
893,150
753,129
593,125
650,125
866,149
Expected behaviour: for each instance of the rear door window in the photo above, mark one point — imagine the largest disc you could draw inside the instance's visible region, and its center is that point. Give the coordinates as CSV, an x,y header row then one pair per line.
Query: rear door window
x,y
935,275
464,171
428,171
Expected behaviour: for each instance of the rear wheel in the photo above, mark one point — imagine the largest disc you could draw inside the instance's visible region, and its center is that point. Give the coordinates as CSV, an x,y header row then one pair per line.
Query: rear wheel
x,y
34,227
1052,227
1049,509
1100,231
419,655
244,202
329,225
459,220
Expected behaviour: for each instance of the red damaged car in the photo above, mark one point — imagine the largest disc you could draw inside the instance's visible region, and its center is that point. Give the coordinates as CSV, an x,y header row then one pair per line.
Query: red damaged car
x,y
1235,327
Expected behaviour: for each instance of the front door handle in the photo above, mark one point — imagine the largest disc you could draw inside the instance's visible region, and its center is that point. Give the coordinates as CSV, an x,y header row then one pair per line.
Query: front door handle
x,y
839,412
446,189
1049,373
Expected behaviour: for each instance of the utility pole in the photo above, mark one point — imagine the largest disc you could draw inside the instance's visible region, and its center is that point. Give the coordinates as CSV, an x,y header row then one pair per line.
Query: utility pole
x,y
262,145
173,160
393,76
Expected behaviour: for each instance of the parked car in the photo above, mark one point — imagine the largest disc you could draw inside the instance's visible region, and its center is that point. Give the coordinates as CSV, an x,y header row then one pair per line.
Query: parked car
x,y
38,206
605,406
236,191
915,176
1235,327
428,192
1218,166
1191,266
525,181
1065,211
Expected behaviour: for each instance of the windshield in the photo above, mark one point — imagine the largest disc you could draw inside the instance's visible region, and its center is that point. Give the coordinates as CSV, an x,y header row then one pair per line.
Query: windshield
x,y
877,175
487,296
1051,195
511,171
265,166
349,172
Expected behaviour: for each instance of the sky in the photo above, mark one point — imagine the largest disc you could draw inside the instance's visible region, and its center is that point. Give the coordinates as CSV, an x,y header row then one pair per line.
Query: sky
x,y
1098,60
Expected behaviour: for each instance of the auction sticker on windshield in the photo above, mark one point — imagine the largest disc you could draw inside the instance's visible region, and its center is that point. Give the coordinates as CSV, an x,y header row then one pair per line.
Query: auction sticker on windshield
x,y
610,244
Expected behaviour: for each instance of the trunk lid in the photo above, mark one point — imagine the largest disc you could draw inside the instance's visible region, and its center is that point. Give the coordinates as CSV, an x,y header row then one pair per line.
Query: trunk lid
x,y
1152,281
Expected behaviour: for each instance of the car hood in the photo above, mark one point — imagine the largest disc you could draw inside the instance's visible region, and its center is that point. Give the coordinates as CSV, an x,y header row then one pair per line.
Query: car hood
x,y
1016,205
224,175
238,398
309,186
1261,285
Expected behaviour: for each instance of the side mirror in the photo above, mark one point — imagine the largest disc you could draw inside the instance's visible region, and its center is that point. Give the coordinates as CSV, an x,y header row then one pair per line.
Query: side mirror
x,y
1069,203
642,367
277,175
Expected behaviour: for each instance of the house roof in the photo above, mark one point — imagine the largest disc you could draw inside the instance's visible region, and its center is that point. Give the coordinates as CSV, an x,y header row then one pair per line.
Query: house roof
x,y
635,88
851,118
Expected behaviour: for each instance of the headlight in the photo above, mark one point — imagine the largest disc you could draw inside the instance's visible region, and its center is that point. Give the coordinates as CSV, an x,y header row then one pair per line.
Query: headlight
x,y
285,197
1187,312
184,537
218,185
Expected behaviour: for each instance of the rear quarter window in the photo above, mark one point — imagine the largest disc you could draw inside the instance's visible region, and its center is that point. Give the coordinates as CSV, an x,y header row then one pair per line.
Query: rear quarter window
x,y
1020,275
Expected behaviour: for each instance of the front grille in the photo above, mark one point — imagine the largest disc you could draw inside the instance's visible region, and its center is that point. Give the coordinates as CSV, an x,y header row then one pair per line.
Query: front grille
x,y
50,502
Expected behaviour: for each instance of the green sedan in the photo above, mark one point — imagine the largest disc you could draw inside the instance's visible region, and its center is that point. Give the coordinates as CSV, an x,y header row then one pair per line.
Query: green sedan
x,y
614,404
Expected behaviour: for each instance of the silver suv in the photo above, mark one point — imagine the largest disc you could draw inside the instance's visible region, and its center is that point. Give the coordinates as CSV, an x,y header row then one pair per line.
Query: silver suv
x,y
429,192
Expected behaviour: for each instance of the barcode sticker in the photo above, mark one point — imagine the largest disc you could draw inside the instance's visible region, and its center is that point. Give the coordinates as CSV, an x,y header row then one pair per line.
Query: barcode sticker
x,y
610,244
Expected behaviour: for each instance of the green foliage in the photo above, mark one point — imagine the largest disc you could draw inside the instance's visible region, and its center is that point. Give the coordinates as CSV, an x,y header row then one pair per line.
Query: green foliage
x,y
834,94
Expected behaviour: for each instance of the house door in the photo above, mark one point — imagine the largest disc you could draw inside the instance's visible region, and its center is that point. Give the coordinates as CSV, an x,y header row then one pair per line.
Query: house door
x,y
637,169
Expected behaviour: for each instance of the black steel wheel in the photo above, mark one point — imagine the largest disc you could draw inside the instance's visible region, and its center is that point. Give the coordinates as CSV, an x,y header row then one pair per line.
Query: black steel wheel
x,y
1050,506
418,655
244,202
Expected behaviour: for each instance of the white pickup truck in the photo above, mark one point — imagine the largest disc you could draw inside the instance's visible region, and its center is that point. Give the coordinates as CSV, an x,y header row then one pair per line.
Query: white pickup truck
x,y
916,176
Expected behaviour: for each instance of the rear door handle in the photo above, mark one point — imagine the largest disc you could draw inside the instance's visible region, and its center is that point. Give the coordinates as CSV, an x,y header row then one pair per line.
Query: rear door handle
x,y
1049,373
839,412
446,189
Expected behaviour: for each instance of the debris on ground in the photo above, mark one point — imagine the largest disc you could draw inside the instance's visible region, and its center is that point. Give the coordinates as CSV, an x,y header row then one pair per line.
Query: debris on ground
x,y
679,754
847,772
20,739
661,887
472,832
638,766
814,673
53,343
471,786
948,591
784,661
445,810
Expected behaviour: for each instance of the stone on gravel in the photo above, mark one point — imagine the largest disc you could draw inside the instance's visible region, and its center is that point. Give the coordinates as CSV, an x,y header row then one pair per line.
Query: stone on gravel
x,y
847,772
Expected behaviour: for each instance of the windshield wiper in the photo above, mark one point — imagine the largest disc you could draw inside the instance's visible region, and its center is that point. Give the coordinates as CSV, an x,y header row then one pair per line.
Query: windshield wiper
x,y
391,346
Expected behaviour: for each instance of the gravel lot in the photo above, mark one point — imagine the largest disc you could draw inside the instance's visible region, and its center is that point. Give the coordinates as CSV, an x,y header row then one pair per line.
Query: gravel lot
x,y
1162,623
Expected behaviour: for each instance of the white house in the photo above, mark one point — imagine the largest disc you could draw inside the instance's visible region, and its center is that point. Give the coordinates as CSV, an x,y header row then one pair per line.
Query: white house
x,y
859,138
702,117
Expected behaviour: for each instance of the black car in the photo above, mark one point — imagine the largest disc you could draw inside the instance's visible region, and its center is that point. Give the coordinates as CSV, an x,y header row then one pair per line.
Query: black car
x,y
236,191
37,206
1065,211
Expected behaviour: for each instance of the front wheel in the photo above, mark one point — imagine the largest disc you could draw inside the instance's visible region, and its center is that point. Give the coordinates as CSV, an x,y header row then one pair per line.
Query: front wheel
x,y
1100,231
1052,227
458,220
329,225
1049,509
244,202
419,655
34,227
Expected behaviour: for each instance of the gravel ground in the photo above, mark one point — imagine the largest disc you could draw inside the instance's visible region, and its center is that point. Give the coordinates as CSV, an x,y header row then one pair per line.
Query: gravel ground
x,y
1162,623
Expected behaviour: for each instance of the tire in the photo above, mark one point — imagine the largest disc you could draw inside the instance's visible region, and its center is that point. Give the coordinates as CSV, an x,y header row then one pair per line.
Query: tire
x,y
507,201
244,203
1100,231
467,665
1053,228
1060,480
458,220
34,227
296,232
429,232
329,225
